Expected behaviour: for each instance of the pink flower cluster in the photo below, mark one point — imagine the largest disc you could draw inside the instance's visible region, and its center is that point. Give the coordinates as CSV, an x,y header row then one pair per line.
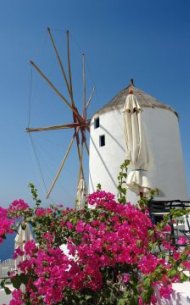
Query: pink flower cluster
x,y
119,235
40,212
5,224
17,207
110,245
17,298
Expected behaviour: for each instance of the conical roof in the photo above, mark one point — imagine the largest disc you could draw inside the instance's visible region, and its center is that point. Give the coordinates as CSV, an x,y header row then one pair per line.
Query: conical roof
x,y
144,99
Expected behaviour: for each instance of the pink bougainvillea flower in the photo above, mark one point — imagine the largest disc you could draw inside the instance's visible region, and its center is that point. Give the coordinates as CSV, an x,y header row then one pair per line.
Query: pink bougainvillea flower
x,y
167,228
19,204
30,247
17,297
125,278
186,264
5,224
148,263
40,212
18,252
80,226
165,291
182,240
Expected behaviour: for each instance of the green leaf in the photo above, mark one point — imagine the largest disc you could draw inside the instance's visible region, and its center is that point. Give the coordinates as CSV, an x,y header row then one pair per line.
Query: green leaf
x,y
16,281
7,290
172,272
88,297
124,298
147,282
183,277
2,283
146,294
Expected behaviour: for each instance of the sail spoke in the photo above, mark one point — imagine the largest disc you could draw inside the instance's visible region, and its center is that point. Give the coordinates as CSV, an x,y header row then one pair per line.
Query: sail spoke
x,y
74,110
80,156
81,189
84,85
59,61
90,98
61,167
86,146
69,68
55,127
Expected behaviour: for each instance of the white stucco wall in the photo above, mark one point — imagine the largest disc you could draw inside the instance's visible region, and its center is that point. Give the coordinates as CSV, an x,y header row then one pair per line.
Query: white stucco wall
x,y
162,130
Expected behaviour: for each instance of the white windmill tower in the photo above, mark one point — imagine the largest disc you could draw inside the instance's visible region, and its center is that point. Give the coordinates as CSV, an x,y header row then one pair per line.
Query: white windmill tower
x,y
109,146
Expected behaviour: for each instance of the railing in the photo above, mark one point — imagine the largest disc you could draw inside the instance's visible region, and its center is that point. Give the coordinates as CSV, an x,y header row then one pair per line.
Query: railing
x,y
180,226
6,266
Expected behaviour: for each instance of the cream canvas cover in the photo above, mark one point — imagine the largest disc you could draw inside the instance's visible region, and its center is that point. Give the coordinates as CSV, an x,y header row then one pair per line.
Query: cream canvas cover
x,y
137,149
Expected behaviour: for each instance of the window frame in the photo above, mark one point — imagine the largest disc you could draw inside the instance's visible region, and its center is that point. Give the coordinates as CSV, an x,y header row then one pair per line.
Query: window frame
x,y
102,141
97,122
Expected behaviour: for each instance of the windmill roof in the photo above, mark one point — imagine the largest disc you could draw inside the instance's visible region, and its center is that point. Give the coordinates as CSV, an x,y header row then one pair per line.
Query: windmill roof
x,y
144,99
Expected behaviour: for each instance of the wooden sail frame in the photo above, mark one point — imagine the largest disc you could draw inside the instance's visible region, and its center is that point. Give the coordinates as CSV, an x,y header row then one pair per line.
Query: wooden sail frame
x,y
80,124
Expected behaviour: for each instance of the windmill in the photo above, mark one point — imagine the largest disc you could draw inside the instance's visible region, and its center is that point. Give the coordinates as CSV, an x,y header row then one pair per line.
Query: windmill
x,y
80,123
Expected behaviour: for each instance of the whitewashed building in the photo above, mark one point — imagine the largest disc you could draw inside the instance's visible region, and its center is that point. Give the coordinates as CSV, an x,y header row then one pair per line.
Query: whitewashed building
x,y
108,147
6,266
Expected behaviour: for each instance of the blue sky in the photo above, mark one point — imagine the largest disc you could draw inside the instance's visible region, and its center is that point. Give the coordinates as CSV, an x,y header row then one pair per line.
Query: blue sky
x,y
145,40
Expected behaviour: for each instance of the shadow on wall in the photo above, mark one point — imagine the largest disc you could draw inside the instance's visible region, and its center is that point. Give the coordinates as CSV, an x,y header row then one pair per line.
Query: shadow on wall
x,y
105,166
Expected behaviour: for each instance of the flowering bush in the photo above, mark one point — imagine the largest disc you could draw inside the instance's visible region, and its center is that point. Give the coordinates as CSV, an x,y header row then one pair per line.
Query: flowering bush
x,y
5,224
107,253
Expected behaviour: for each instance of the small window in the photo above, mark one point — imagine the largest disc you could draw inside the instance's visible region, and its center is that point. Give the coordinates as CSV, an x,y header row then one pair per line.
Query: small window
x,y
102,141
96,123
